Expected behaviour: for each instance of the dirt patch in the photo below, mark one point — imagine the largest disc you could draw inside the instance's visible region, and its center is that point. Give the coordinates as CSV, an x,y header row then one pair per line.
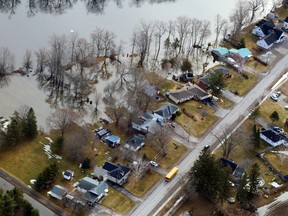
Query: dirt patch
x,y
284,88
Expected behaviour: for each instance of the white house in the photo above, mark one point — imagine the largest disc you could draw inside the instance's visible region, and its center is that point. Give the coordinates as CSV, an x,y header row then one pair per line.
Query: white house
x,y
276,36
263,28
68,174
273,138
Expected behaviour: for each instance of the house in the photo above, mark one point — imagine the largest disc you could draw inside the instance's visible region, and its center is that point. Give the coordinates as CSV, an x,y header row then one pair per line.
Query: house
x,y
240,55
165,112
273,138
219,52
116,173
228,163
135,142
102,133
186,94
271,15
145,123
112,140
276,36
152,91
263,28
68,174
58,192
93,190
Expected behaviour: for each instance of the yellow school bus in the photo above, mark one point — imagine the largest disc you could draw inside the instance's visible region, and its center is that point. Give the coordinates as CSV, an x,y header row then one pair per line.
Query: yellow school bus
x,y
171,174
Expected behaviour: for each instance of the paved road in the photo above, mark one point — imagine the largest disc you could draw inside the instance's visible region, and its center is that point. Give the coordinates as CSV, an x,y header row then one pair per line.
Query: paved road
x,y
149,206
37,200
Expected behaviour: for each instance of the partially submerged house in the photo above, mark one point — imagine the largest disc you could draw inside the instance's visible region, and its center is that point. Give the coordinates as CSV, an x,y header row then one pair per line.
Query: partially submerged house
x,y
240,55
116,173
58,192
219,53
263,28
273,138
135,142
186,94
92,190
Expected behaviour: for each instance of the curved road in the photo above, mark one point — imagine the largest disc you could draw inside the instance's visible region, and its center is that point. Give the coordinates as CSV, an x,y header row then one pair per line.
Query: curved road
x,y
155,198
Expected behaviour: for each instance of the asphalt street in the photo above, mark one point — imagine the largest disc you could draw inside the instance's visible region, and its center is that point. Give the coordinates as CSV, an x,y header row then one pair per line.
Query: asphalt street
x,y
155,198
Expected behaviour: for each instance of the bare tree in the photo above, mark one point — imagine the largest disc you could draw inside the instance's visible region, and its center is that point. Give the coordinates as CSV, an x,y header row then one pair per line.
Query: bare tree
x,y
76,143
82,53
41,60
72,44
117,111
143,38
160,30
27,60
159,139
220,24
61,119
139,167
108,42
254,6
239,17
6,62
97,41
183,24
97,98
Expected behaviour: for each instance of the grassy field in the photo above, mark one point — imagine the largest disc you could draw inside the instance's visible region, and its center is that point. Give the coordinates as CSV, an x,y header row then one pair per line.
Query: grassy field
x,y
200,125
141,187
162,83
278,160
239,84
117,202
257,66
174,152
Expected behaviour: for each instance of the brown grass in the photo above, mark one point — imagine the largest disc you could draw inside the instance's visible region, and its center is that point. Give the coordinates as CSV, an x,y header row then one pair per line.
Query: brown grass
x,y
257,66
200,126
241,85
141,187
225,103
117,202
284,88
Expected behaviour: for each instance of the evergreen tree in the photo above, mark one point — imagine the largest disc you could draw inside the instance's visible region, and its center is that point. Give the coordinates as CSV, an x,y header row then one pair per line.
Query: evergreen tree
x,y
30,125
8,205
210,177
216,82
255,137
274,116
253,181
86,163
242,193
13,134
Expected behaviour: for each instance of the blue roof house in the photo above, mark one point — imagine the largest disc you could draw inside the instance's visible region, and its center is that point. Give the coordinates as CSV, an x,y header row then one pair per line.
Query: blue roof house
x,y
220,51
112,140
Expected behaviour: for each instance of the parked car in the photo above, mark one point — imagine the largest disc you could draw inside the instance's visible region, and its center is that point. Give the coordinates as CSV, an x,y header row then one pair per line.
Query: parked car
x,y
154,164
278,130
275,96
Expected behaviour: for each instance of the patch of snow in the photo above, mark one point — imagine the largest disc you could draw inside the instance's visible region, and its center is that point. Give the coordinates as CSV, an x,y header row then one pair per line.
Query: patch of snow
x,y
281,152
49,139
33,181
264,209
48,152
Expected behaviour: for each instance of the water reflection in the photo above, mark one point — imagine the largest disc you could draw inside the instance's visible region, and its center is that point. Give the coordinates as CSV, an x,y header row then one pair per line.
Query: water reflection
x,y
58,7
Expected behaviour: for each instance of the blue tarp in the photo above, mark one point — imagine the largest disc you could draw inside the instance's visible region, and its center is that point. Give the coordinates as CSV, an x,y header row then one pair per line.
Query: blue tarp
x,y
113,139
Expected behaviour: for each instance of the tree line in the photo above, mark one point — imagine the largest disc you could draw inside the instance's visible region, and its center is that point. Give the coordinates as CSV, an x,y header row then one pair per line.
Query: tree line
x,y
23,126
12,203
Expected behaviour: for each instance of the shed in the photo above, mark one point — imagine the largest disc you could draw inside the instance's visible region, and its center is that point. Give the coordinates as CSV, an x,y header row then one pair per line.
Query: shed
x,y
58,192
113,140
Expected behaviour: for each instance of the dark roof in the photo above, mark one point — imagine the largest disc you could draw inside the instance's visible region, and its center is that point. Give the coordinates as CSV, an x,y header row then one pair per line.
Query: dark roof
x,y
102,132
286,178
87,183
267,27
286,19
272,135
166,110
116,171
261,22
273,36
198,92
136,140
59,190
227,162
180,94
221,69
68,173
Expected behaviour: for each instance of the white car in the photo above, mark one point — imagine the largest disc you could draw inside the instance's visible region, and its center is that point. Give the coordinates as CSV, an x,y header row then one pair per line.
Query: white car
x,y
154,164
275,96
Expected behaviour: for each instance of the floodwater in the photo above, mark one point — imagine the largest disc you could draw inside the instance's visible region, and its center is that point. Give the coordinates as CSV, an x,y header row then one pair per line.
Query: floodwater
x,y
23,29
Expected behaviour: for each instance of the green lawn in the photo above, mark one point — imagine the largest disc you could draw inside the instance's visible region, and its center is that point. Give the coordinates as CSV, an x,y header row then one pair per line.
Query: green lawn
x,y
117,202
239,84
200,125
